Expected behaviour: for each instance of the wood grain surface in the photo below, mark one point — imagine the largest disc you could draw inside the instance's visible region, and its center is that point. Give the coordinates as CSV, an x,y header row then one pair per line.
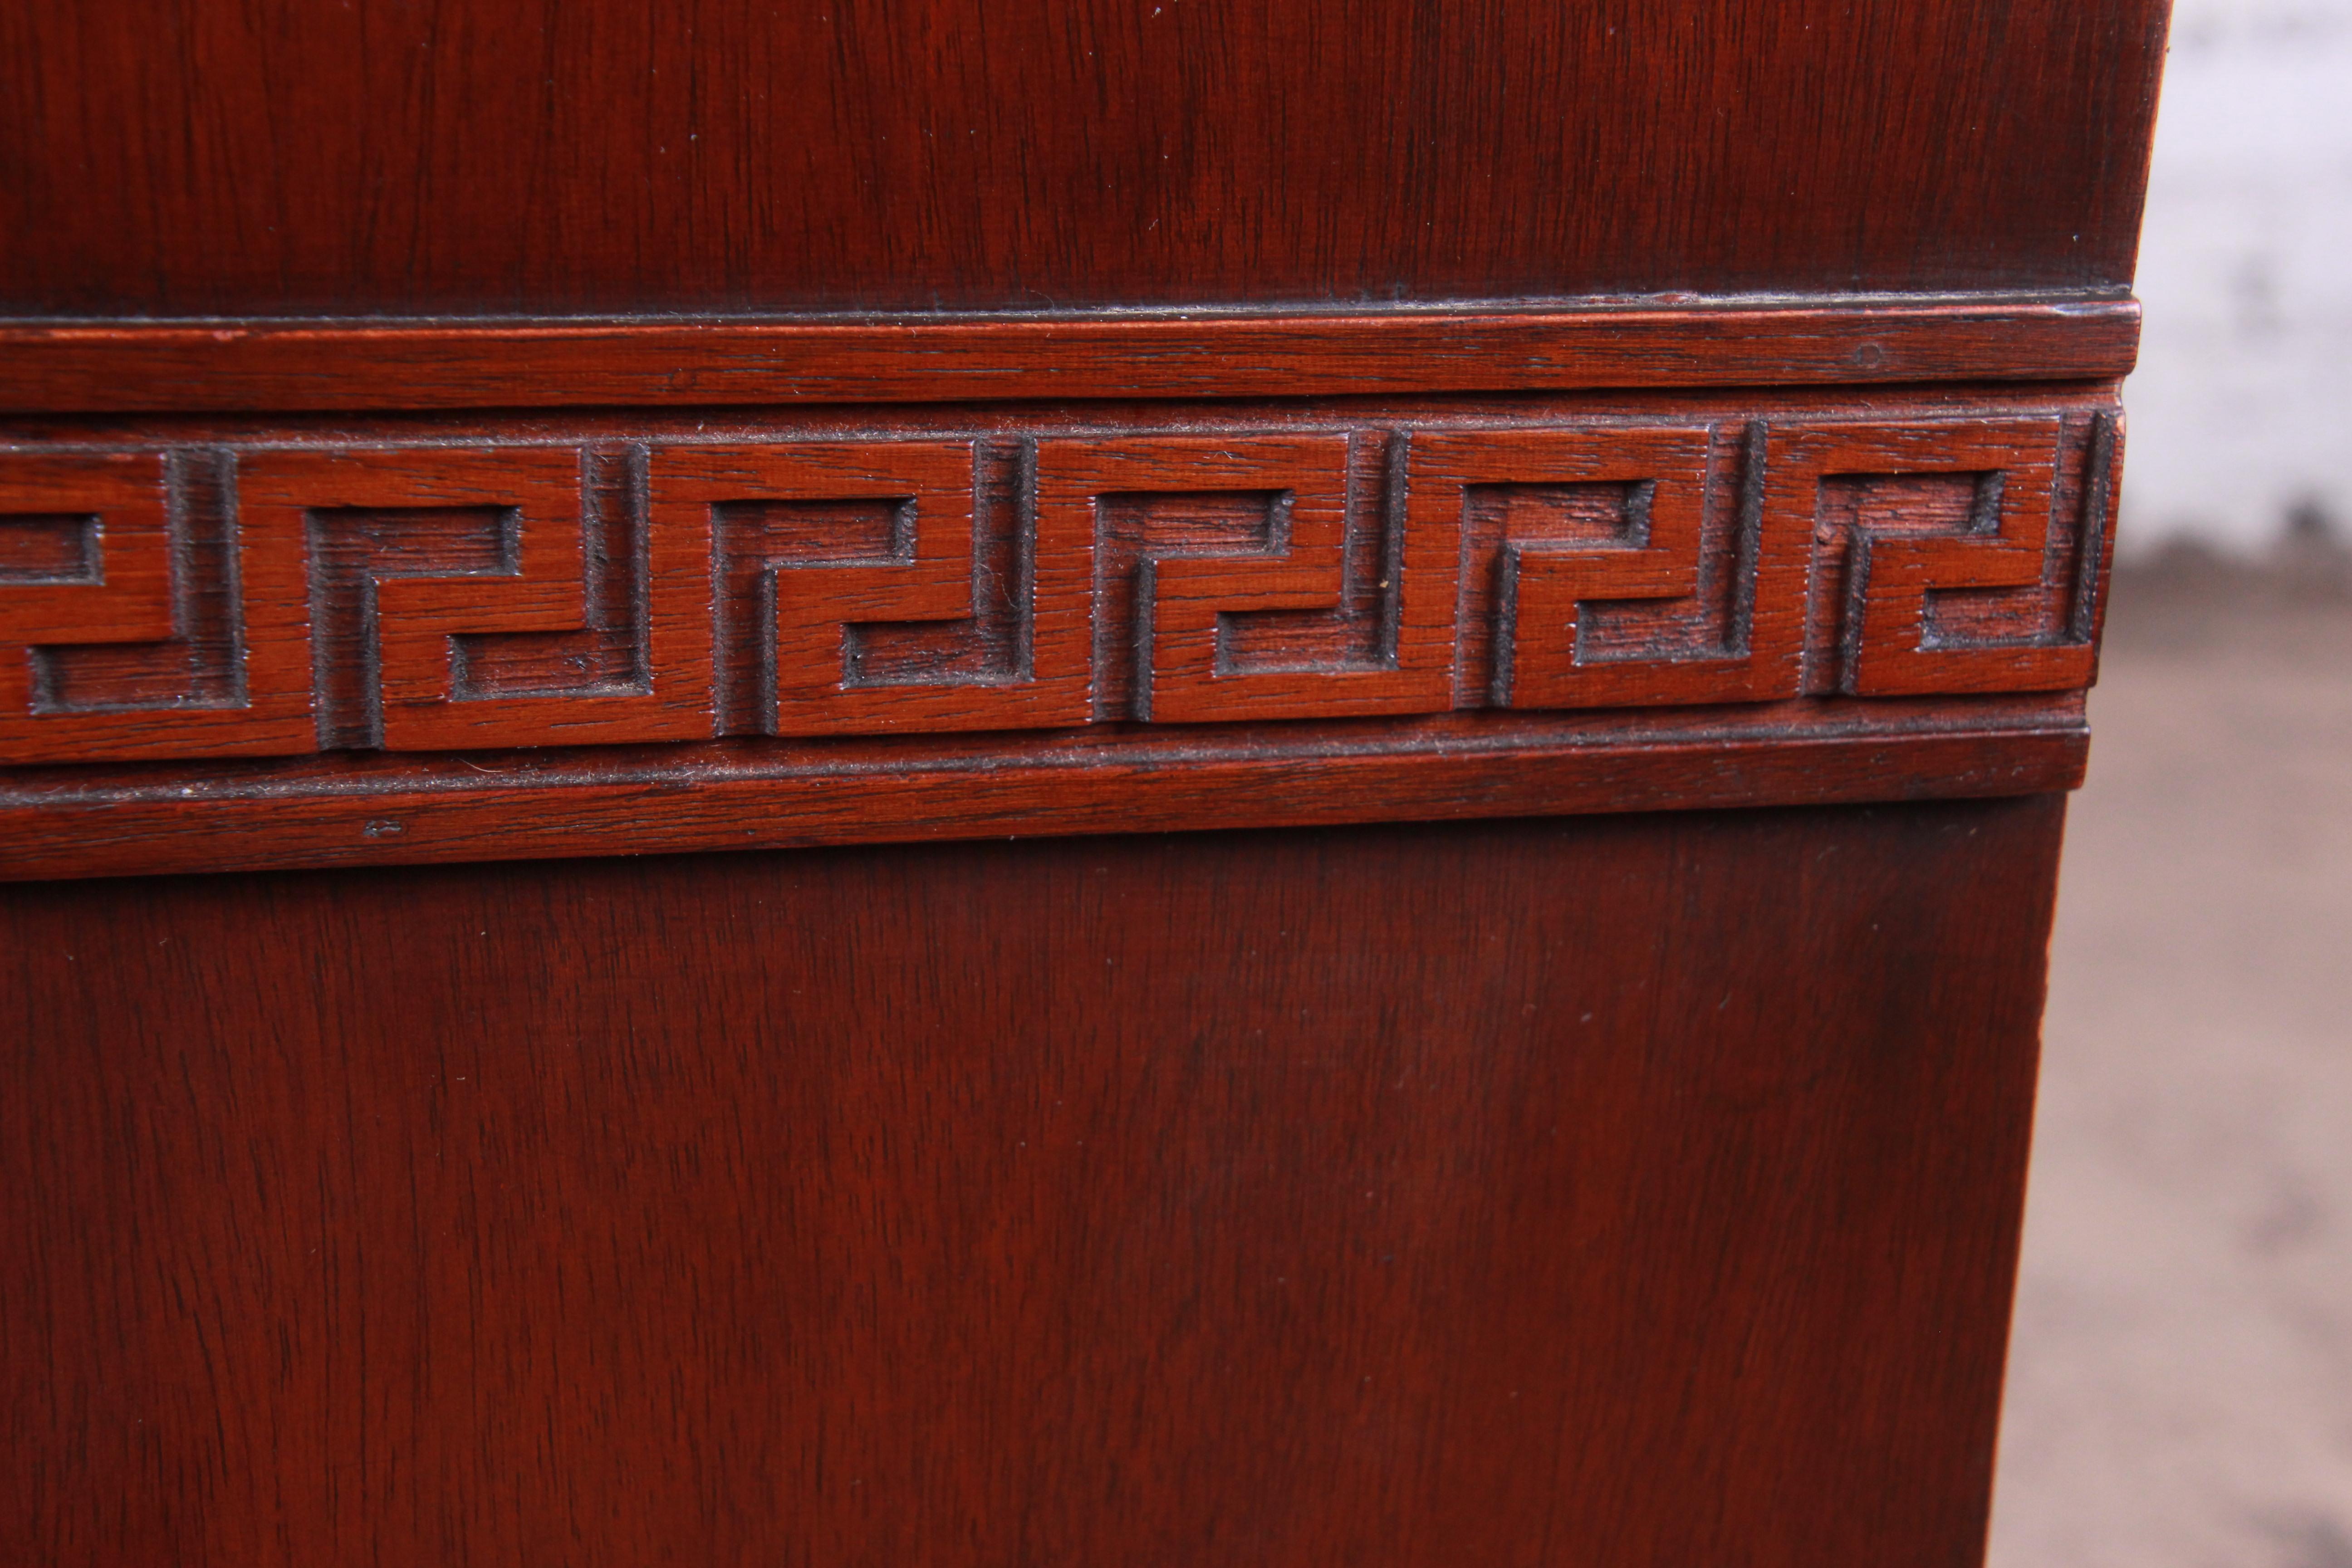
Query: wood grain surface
x,y
1635,1190
532,156
75,822
69,365
1498,445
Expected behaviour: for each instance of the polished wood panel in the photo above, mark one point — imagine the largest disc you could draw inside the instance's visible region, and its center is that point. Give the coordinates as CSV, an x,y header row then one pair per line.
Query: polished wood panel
x,y
1635,1190
617,155
833,437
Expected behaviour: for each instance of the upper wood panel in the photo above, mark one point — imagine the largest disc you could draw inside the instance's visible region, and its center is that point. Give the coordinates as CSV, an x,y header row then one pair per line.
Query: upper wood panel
x,y
614,155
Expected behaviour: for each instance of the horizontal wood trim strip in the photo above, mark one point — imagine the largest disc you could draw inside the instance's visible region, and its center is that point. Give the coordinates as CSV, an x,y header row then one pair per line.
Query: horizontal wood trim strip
x,y
811,796
153,367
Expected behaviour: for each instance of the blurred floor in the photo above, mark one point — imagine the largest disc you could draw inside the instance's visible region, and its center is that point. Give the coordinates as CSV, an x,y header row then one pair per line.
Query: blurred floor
x,y
2180,1383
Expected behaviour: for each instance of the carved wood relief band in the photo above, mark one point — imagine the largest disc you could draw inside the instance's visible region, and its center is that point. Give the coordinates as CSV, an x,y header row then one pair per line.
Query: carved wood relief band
x,y
304,642
233,601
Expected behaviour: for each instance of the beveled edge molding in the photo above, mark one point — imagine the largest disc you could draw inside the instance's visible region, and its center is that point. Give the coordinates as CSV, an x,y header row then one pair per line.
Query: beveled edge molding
x,y
767,794
258,366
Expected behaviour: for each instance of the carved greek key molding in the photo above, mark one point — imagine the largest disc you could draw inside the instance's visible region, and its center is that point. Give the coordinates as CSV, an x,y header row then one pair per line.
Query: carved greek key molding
x,y
264,597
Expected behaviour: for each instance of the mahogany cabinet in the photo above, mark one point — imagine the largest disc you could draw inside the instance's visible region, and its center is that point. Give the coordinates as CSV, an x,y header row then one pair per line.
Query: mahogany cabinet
x,y
1009,782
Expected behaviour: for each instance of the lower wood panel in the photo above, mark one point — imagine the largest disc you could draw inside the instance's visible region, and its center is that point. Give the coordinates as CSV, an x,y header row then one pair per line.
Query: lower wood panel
x,y
1624,1191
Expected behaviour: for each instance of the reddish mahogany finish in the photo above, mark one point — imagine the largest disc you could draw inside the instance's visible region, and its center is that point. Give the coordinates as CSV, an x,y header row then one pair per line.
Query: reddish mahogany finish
x,y
520,635
1641,1190
246,366
68,823
839,433
550,155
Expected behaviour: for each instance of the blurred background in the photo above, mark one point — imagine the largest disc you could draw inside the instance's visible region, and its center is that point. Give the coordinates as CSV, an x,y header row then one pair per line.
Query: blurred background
x,y
2180,1382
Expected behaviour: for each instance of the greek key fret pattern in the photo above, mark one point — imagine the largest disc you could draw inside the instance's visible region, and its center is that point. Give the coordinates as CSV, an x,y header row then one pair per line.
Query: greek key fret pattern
x,y
246,599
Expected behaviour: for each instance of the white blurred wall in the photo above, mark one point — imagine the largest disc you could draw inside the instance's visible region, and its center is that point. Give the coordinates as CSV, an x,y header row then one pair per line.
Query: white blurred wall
x,y
2241,407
